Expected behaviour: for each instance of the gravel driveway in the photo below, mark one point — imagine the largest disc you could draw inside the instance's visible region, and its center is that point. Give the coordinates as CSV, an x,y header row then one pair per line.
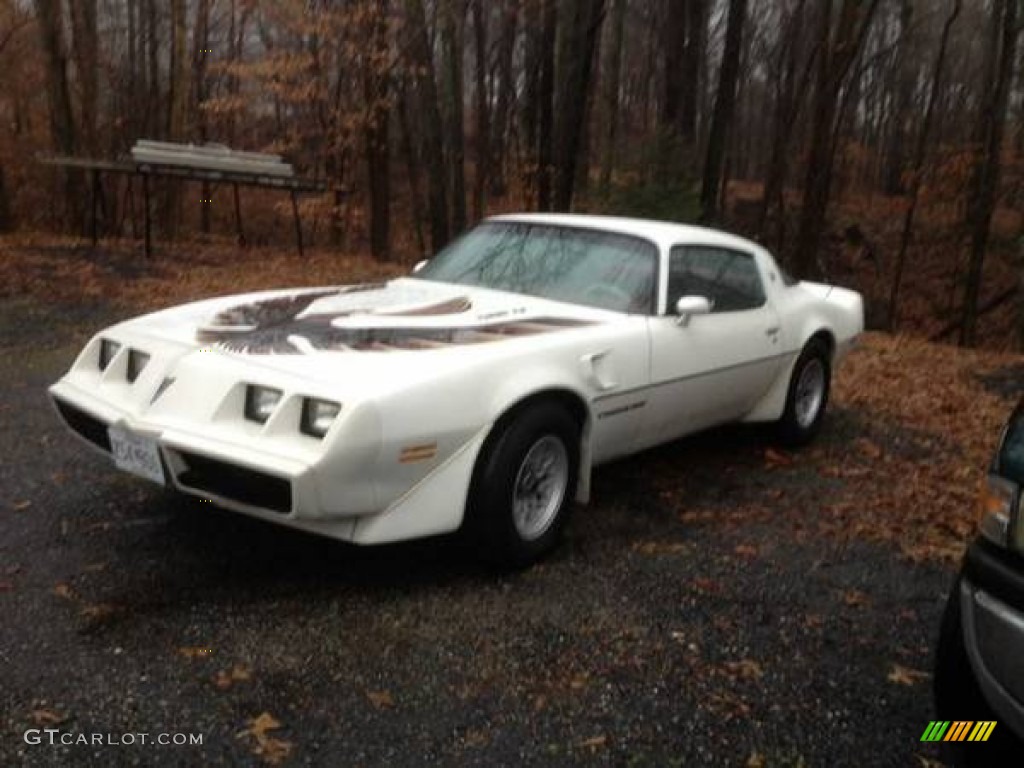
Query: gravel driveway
x,y
694,616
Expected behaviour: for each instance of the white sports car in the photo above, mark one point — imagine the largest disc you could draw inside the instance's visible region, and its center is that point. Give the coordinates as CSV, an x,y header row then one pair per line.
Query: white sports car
x,y
478,393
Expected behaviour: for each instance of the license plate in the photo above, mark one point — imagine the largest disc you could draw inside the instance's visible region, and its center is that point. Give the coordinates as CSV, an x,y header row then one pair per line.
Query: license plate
x,y
136,453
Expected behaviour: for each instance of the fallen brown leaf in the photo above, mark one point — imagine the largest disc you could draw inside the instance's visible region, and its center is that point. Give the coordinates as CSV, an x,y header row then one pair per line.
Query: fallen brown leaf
x,y
774,458
746,550
226,678
745,669
659,547
194,651
593,743
272,750
381,699
64,590
905,676
46,717
856,598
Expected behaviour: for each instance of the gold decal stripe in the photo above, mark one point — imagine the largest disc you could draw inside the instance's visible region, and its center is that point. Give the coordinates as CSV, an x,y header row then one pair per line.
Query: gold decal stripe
x,y
413,453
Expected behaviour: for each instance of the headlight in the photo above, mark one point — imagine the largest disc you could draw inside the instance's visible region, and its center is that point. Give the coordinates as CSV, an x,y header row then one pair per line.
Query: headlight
x,y
136,362
260,402
995,506
317,416
108,349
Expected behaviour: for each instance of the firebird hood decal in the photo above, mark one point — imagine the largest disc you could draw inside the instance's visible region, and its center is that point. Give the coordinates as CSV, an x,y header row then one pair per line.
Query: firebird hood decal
x,y
378,321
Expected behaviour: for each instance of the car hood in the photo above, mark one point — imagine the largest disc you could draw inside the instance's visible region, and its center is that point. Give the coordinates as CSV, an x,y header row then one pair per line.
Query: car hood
x,y
380,332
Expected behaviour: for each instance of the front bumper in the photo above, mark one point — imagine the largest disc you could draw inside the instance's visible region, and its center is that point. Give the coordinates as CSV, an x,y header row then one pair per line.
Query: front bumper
x,y
992,607
275,487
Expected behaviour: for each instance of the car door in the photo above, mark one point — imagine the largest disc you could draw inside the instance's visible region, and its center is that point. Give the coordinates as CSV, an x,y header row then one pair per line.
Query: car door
x,y
711,368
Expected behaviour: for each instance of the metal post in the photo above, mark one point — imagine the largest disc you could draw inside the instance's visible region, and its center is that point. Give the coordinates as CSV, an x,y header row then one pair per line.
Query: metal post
x,y
145,206
95,204
238,217
298,223
131,208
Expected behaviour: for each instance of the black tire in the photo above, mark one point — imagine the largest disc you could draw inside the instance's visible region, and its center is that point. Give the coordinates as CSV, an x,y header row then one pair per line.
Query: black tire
x,y
793,429
958,696
491,526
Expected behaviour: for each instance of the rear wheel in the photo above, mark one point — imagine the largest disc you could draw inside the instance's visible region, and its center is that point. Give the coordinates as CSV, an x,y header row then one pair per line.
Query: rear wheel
x,y
808,395
523,485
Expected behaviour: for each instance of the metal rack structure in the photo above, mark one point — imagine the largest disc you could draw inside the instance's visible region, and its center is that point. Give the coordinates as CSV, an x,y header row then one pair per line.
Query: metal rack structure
x,y
211,163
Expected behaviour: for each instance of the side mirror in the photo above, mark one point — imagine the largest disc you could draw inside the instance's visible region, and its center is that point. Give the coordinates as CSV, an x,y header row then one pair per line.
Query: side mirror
x,y
688,306
420,265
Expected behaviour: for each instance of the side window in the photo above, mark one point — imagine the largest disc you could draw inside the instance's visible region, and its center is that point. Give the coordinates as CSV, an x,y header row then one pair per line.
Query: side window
x,y
729,279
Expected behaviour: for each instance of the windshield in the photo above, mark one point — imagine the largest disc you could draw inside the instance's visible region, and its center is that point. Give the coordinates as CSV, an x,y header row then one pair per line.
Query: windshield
x,y
580,266
1010,459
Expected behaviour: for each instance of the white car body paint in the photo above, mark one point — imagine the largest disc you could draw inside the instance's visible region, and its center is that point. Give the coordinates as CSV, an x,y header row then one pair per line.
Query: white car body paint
x,y
398,460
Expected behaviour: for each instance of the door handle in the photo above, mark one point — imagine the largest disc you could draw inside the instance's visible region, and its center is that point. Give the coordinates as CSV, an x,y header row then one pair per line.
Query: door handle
x,y
771,331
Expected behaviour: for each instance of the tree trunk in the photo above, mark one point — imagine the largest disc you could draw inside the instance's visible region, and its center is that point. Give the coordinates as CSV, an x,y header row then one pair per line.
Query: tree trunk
x,y
836,54
693,67
612,86
576,57
87,68
789,98
62,121
200,55
430,124
987,168
545,102
177,124
377,133
918,167
505,96
904,73
483,125
154,121
412,166
721,119
453,13
6,222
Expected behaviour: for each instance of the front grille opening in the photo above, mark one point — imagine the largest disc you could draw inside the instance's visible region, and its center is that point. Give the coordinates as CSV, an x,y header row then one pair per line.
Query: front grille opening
x,y
88,426
230,481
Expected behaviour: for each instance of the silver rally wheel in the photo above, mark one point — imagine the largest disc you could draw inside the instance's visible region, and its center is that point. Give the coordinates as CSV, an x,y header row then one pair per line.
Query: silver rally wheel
x,y
810,392
521,493
807,397
540,486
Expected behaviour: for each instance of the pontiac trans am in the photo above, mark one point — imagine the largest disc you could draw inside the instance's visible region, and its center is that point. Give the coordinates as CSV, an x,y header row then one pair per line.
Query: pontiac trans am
x,y
476,394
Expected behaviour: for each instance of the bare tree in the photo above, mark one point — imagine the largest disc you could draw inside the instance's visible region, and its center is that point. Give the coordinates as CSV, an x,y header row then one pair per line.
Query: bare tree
x,y
725,102
987,166
839,43
579,38
377,134
612,86
482,108
453,17
430,126
62,120
918,166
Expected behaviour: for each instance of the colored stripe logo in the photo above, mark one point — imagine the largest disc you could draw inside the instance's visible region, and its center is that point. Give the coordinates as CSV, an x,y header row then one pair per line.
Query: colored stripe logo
x,y
958,730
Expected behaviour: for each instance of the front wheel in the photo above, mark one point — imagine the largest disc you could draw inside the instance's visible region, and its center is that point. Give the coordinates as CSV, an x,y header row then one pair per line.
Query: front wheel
x,y
808,395
523,485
